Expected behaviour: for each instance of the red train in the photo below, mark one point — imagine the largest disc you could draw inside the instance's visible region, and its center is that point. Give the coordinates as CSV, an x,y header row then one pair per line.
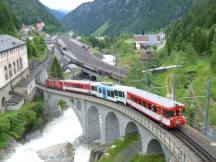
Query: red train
x,y
165,111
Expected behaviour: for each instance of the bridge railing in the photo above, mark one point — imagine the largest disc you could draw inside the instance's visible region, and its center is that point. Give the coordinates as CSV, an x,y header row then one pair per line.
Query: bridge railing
x,y
165,137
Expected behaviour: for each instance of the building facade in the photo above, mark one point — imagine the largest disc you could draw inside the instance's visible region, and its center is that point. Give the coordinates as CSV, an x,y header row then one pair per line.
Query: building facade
x,y
144,41
13,67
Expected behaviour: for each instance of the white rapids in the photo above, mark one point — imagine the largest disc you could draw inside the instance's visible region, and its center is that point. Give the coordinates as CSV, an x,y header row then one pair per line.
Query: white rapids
x,y
63,129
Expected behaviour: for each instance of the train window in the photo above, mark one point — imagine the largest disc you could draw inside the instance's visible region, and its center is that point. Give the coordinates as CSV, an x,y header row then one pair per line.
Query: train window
x,y
112,94
116,93
144,103
154,108
108,93
123,95
139,101
93,88
149,106
120,93
132,98
135,99
99,90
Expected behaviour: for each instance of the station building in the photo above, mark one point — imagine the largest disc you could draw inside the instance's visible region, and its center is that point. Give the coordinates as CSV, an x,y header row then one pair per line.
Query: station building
x,y
16,85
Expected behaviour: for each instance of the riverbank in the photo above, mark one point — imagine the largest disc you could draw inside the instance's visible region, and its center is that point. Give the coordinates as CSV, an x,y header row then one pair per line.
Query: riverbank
x,y
16,125
63,129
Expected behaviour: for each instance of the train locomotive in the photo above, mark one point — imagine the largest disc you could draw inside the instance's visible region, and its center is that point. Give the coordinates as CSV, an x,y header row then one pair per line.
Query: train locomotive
x,y
163,110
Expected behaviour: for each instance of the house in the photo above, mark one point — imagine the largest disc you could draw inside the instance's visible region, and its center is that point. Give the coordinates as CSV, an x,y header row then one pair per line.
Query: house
x,y
39,26
145,41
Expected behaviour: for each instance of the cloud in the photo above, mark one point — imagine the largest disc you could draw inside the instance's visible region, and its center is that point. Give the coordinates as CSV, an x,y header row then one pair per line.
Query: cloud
x,y
67,5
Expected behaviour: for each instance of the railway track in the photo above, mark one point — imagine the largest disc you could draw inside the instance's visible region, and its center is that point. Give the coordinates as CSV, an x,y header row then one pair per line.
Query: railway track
x,y
189,141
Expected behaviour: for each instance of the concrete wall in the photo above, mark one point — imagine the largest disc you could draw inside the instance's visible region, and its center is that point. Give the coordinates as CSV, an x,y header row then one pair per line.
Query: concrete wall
x,y
4,91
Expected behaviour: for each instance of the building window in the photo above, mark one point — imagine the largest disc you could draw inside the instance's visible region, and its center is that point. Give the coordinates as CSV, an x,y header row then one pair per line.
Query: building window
x,y
14,66
21,65
10,70
18,65
6,72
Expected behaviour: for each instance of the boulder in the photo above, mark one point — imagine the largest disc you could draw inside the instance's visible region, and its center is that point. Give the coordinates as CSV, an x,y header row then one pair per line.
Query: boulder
x,y
98,152
57,153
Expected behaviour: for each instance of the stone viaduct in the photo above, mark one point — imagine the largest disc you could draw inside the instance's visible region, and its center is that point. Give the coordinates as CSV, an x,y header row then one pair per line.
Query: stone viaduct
x,y
103,121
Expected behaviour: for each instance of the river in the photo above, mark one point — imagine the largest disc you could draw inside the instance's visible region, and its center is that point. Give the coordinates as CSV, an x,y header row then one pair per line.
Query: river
x,y
66,128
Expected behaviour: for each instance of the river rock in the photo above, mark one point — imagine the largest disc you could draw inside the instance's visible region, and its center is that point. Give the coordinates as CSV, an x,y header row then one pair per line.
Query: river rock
x,y
57,153
10,148
28,137
98,152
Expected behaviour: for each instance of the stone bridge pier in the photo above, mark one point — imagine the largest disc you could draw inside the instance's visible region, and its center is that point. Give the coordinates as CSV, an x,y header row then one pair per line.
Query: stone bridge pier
x,y
103,124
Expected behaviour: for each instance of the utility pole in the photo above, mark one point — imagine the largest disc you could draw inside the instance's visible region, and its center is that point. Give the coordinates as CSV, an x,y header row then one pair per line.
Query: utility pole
x,y
146,80
174,87
207,106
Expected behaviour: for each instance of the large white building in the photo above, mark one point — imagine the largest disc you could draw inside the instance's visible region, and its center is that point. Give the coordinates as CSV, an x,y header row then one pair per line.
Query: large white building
x,y
13,69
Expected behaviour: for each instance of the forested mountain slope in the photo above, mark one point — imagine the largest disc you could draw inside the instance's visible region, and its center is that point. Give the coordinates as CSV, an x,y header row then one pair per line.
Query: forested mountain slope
x,y
125,16
31,11
8,22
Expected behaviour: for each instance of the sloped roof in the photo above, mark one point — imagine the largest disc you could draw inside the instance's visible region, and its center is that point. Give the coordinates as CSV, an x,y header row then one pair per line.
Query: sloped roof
x,y
8,42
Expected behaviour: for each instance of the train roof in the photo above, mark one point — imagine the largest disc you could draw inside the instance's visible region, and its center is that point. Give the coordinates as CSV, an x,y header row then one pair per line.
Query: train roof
x,y
122,87
79,81
162,101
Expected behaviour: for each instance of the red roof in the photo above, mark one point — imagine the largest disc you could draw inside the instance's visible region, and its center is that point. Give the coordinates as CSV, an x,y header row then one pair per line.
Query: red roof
x,y
140,38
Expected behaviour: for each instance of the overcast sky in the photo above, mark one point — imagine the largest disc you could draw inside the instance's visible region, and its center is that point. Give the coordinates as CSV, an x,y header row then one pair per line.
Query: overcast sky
x,y
67,5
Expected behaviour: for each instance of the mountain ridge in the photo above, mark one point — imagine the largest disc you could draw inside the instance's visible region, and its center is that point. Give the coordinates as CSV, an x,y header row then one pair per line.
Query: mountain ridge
x,y
130,16
57,13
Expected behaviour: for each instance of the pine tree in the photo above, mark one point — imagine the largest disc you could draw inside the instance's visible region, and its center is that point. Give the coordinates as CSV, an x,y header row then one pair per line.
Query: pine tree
x,y
56,70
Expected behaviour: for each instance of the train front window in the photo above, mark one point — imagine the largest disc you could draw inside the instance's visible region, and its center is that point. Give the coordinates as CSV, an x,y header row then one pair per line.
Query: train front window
x,y
169,113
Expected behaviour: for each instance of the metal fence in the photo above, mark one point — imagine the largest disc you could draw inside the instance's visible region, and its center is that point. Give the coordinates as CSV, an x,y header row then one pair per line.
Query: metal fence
x,y
209,133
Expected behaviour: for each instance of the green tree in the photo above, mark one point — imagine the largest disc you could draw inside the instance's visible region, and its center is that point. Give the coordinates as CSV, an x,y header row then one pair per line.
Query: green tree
x,y
31,49
213,57
135,75
56,70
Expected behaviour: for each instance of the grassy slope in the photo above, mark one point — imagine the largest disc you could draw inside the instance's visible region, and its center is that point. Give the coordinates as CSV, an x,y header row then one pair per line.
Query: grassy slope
x,y
17,123
148,158
120,145
198,80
